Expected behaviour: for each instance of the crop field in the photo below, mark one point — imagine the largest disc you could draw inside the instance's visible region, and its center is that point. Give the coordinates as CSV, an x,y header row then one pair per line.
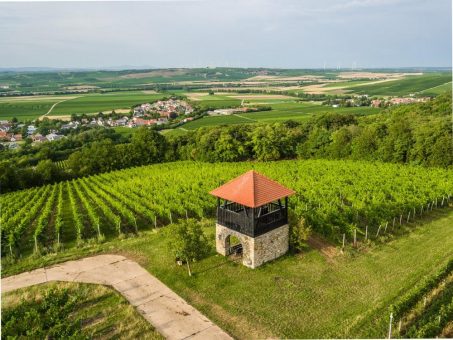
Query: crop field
x,y
94,312
335,197
298,111
27,108
434,91
405,86
95,103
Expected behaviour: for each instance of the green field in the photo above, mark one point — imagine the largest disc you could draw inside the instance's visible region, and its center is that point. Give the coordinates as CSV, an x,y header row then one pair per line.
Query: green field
x,y
434,91
282,298
29,108
86,311
298,111
95,103
406,86
25,109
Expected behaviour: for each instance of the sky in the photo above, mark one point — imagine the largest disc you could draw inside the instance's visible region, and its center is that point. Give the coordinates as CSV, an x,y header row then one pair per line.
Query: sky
x,y
233,33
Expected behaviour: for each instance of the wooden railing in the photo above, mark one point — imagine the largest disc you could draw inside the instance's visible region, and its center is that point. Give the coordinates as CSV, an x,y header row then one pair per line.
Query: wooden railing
x,y
246,224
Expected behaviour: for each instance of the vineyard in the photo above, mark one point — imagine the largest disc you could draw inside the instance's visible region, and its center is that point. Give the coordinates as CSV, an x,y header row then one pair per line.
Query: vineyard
x,y
358,199
427,310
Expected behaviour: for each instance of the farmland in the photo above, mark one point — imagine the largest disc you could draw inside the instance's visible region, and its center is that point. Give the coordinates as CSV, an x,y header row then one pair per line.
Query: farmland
x,y
405,86
29,108
361,285
95,103
298,111
335,197
95,311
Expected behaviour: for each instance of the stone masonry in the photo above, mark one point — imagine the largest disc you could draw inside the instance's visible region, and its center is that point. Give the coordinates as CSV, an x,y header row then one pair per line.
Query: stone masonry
x,y
255,250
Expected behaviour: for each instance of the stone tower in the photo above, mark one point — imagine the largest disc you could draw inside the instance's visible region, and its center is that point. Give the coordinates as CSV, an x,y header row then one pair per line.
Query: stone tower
x,y
250,208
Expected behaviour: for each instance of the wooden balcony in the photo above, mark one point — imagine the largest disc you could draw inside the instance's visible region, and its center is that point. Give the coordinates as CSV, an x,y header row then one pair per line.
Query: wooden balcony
x,y
252,221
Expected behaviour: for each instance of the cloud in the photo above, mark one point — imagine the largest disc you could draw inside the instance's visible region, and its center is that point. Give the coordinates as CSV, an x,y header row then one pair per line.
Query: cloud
x,y
287,33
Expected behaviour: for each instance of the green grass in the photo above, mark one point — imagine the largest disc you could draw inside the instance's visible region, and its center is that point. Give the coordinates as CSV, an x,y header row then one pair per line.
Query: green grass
x,y
24,110
406,86
297,296
126,131
94,103
174,132
100,312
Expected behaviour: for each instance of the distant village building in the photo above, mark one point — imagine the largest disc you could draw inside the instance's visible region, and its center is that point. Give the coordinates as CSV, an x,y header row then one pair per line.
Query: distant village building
x,y
53,137
38,138
226,112
31,129
165,108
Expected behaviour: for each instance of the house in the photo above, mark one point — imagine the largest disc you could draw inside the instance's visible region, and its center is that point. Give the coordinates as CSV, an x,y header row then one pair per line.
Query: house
x,y
4,136
38,138
31,129
142,122
16,138
376,103
53,137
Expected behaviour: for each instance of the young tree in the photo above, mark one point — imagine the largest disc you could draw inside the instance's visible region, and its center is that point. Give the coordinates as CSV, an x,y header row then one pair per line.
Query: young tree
x,y
188,242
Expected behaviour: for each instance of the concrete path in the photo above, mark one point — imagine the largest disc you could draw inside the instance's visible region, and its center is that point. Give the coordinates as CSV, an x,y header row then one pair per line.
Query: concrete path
x,y
170,315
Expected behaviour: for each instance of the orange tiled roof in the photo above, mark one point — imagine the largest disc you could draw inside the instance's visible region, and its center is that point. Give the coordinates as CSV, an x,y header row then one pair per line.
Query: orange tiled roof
x,y
252,190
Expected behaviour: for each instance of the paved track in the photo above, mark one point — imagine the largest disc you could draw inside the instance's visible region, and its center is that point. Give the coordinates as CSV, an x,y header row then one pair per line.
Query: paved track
x,y
170,315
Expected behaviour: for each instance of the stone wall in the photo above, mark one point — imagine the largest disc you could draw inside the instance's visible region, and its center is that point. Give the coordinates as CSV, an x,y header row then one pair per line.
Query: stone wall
x,y
271,245
258,250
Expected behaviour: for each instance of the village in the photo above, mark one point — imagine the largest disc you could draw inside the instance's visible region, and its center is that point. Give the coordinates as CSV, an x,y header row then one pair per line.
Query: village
x,y
147,114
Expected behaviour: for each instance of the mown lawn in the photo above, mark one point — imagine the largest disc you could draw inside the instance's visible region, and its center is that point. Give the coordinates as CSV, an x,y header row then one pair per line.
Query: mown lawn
x,y
99,312
297,296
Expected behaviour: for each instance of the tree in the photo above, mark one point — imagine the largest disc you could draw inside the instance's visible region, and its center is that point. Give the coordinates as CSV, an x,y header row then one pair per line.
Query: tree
x,y
188,242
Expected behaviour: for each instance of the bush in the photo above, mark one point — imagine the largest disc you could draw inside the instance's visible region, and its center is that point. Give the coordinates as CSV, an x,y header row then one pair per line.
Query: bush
x,y
46,318
299,232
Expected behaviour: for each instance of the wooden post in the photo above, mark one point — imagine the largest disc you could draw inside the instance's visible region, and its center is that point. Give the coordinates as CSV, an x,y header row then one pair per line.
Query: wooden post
x,y
401,218
355,237
366,233
155,221
171,218
344,238
414,212
187,216
390,325
421,210
379,229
